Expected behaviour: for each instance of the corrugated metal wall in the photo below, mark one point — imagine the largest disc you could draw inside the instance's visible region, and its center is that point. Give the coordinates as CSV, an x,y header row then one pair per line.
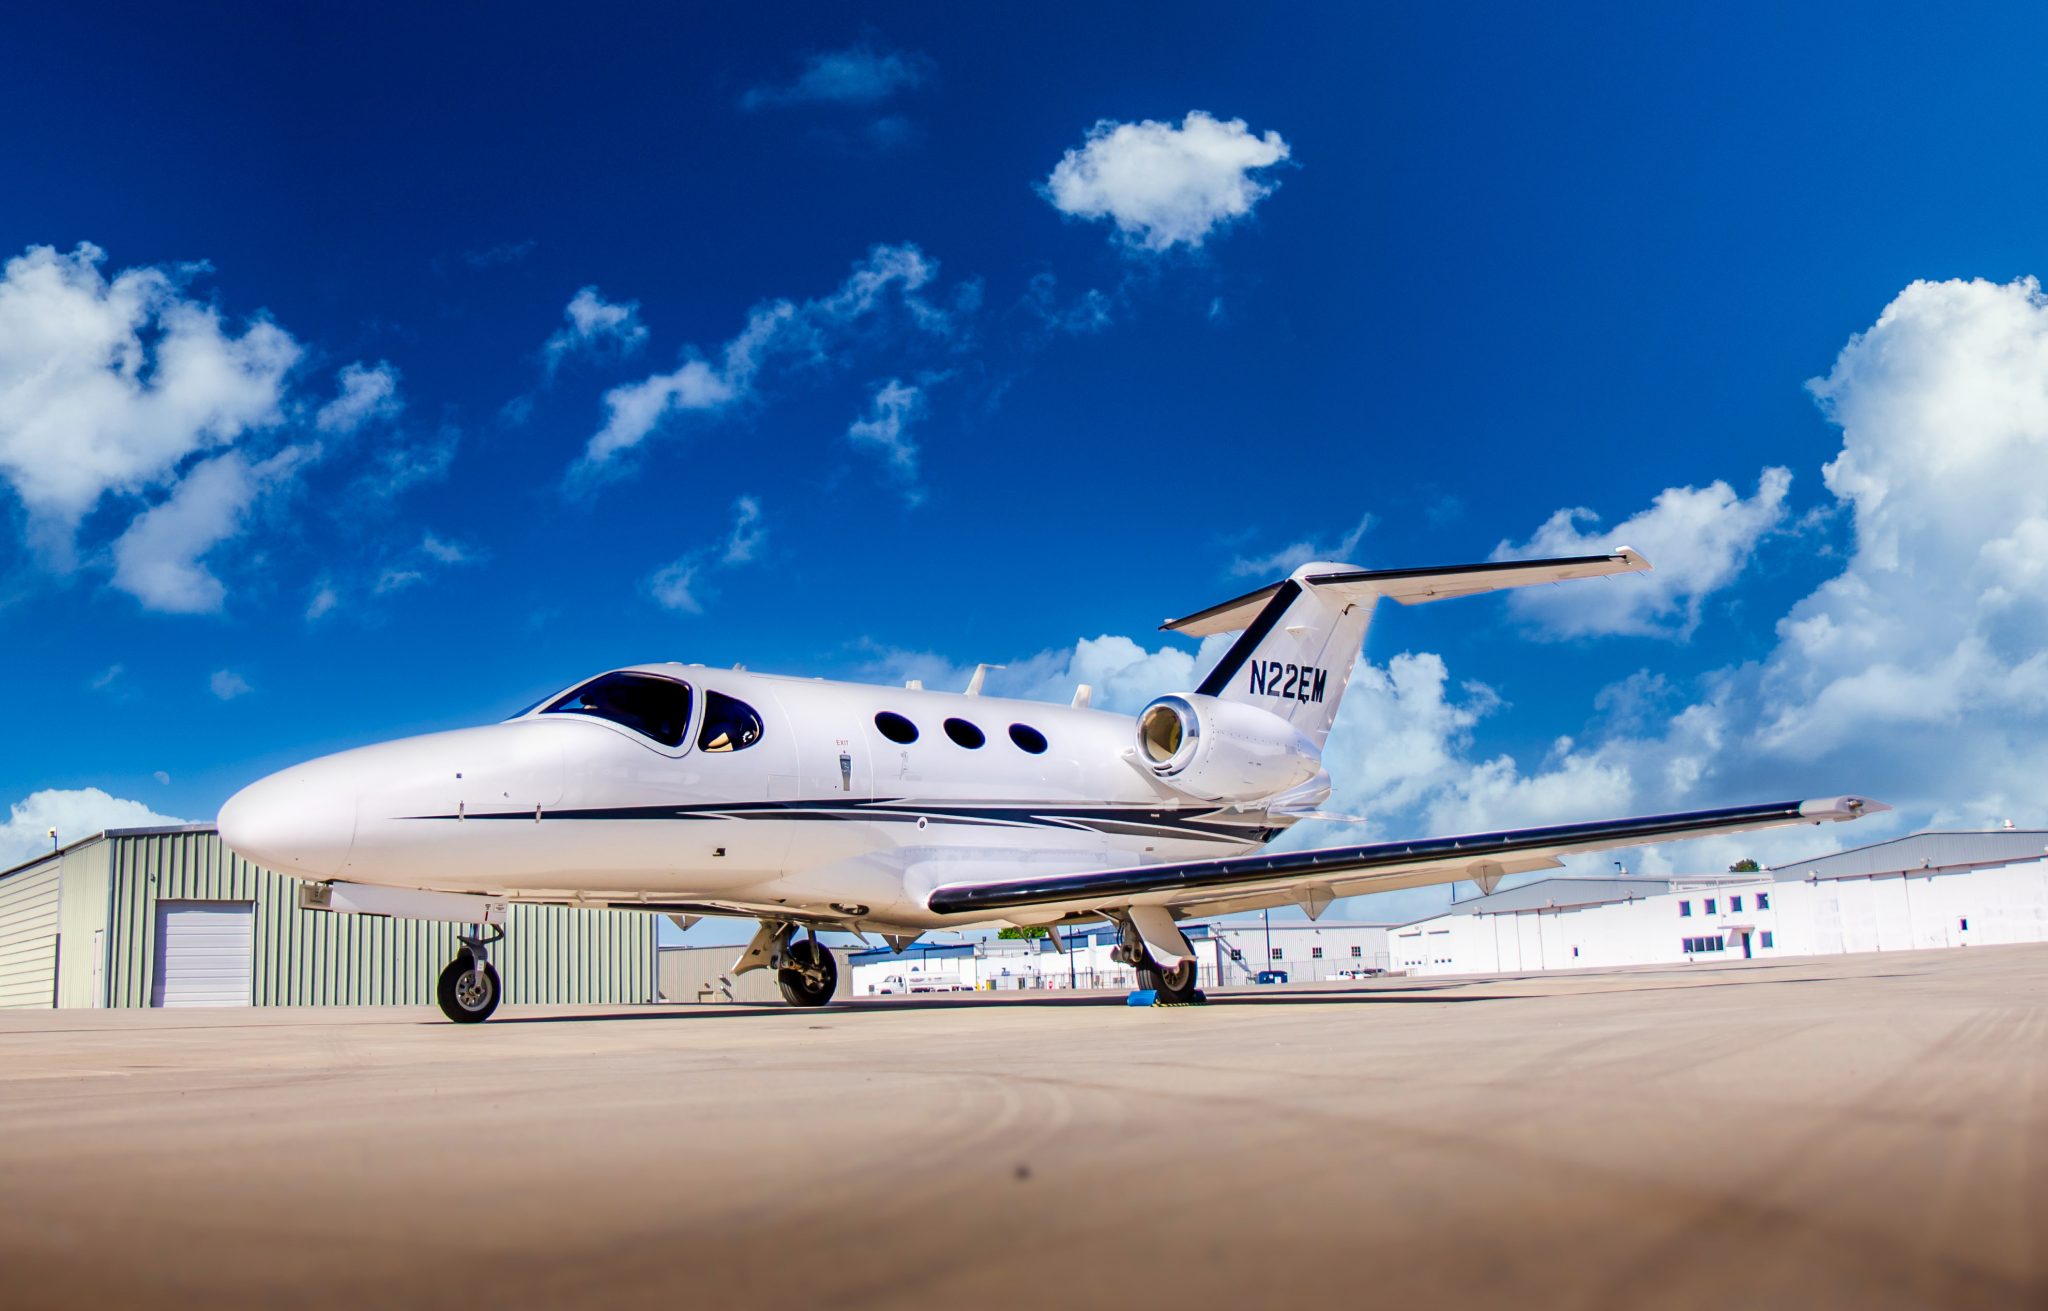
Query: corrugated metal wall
x,y
551,954
28,935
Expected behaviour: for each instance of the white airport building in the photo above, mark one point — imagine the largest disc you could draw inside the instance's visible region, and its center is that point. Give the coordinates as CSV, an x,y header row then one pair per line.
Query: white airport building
x,y
1228,952
1945,889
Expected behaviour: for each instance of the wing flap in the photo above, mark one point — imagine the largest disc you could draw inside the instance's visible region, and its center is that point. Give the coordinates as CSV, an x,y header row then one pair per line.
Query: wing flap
x,y
1377,867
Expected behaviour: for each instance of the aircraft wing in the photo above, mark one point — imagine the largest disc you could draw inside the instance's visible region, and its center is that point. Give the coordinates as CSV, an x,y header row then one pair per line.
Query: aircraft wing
x,y
1313,878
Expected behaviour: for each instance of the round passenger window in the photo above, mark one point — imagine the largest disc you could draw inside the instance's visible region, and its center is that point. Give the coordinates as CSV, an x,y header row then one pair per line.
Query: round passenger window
x,y
1028,738
895,727
964,733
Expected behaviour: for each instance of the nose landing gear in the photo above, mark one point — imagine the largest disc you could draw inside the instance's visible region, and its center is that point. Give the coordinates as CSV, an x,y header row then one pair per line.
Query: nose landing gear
x,y
469,989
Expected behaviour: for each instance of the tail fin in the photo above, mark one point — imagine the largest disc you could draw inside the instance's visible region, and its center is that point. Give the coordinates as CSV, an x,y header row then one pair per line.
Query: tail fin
x,y
1300,637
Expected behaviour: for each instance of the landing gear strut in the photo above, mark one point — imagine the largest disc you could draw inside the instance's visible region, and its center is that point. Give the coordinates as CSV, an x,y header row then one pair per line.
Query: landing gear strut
x,y
469,989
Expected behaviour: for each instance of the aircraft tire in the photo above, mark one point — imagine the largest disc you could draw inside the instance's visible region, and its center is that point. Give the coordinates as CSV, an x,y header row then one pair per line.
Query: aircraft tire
x,y
461,1000
797,987
1175,986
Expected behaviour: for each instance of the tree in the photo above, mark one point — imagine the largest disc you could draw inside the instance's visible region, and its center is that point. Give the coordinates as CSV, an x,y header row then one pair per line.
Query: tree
x,y
1744,866
1035,931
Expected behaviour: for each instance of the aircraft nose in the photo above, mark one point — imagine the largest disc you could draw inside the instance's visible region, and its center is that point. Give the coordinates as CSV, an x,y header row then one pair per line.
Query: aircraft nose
x,y
299,821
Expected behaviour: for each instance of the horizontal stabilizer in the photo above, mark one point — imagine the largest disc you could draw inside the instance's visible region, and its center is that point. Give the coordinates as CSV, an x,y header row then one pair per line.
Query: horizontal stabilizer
x,y
1413,586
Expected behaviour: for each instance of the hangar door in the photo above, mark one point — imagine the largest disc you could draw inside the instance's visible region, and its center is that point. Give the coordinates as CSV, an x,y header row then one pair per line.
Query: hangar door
x,y
28,937
205,954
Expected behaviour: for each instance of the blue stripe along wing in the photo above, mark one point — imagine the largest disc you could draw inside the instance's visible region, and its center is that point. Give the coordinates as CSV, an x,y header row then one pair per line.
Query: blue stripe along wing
x,y
1376,867
1200,824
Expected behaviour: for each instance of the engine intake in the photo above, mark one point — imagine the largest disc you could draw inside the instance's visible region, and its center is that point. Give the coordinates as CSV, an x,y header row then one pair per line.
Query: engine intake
x,y
1223,750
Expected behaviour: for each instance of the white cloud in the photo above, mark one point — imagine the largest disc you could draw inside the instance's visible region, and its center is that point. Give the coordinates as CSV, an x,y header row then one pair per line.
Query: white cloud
x,y
860,75
888,282
675,586
1090,312
105,678
396,578
1698,540
227,684
892,408
75,813
1276,564
366,393
445,552
324,599
743,543
595,325
160,559
1164,185
106,386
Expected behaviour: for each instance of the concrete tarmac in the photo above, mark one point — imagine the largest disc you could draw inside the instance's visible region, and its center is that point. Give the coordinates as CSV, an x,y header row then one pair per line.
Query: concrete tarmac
x,y
1854,1131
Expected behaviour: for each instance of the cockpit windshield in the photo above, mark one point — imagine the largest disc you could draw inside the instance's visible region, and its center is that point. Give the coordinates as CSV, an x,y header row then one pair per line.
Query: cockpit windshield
x,y
646,703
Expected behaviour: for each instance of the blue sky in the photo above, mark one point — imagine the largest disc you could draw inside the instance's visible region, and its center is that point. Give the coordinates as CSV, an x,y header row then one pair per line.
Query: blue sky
x,y
1448,273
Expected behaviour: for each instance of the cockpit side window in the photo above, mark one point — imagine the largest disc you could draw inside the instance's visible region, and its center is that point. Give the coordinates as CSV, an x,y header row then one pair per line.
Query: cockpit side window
x,y
650,705
729,724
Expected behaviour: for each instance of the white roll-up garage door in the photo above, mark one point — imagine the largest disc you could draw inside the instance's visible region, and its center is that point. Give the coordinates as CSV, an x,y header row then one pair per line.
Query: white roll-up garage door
x,y
28,937
205,953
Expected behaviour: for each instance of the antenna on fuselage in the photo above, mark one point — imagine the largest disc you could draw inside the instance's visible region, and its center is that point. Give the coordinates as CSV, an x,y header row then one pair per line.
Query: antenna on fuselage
x,y
980,677
1083,695
914,684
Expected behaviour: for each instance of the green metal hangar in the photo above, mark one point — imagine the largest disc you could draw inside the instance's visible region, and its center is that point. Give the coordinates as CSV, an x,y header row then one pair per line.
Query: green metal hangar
x,y
170,917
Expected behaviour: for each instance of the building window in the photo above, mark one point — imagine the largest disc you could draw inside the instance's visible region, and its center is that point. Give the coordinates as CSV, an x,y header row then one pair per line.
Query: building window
x,y
1735,905
1276,953
1357,952
1763,901
1575,953
1685,910
1767,937
1315,953
1710,905
1965,923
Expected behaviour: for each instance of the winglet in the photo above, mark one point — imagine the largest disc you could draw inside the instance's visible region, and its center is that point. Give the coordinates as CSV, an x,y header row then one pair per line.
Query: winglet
x,y
1822,809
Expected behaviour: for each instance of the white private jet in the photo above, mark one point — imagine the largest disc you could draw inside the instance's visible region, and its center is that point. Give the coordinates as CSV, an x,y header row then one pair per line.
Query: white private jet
x,y
812,805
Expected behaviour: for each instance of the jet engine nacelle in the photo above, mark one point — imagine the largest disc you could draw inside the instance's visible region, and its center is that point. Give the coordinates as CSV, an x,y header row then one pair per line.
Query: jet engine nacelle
x,y
1223,750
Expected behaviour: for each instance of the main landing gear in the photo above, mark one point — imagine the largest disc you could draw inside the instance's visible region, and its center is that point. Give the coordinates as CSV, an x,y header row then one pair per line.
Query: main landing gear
x,y
469,989
1174,985
809,974
804,968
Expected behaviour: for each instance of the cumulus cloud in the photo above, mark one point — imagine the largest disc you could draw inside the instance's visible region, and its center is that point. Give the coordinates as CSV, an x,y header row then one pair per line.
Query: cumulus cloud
x,y
75,813
861,75
107,385
678,584
1165,185
885,286
1275,564
1699,540
595,326
160,559
366,393
227,684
